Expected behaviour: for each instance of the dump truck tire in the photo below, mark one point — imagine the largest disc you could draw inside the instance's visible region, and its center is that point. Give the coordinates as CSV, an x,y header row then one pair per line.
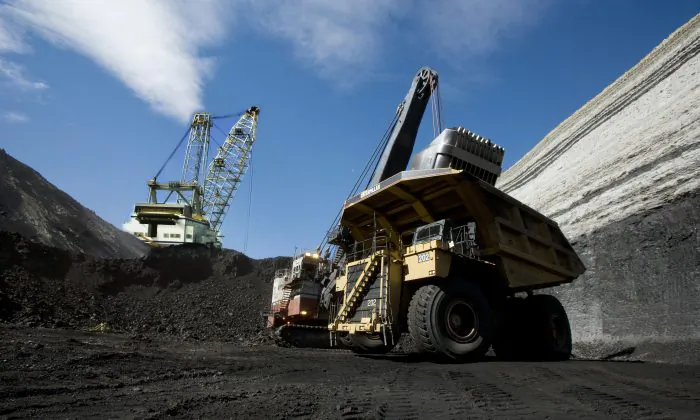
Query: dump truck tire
x,y
512,331
550,330
452,320
536,328
345,341
370,344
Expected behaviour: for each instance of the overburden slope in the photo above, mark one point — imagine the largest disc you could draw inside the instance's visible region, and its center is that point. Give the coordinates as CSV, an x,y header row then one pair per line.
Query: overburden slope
x,y
186,291
620,176
34,207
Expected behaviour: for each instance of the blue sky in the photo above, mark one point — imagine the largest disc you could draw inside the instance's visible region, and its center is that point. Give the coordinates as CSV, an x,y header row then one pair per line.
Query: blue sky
x,y
94,95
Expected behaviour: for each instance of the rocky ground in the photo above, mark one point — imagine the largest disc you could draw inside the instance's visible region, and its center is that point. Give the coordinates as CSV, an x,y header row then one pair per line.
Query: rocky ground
x,y
190,292
61,374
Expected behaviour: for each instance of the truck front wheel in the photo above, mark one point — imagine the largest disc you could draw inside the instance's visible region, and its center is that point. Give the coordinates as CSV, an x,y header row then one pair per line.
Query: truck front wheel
x,y
453,319
370,344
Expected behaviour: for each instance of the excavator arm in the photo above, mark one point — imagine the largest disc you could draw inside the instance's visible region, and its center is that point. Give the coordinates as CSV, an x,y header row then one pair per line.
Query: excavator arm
x,y
395,155
399,147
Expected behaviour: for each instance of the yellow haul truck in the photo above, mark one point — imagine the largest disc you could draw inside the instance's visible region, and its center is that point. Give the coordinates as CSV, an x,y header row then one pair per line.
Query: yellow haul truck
x,y
443,255
436,251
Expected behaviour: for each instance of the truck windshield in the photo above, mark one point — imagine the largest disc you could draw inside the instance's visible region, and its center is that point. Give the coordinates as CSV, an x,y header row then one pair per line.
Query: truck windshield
x,y
428,233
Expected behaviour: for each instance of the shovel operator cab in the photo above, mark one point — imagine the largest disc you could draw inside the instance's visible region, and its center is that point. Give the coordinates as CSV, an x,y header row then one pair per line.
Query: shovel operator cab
x,y
295,291
443,255
295,301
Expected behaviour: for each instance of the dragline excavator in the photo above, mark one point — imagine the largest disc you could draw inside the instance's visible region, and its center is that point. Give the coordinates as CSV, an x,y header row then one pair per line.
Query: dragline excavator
x,y
435,251
203,198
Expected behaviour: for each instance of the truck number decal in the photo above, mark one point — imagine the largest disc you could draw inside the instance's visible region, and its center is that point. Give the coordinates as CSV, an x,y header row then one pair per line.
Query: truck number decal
x,y
372,302
423,257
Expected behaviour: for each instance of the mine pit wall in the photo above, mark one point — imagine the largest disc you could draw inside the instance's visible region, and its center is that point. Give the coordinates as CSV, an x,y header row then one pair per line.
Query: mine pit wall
x,y
621,176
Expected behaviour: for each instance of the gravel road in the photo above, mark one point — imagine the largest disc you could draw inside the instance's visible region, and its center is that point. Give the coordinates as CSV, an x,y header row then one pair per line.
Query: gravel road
x,y
67,374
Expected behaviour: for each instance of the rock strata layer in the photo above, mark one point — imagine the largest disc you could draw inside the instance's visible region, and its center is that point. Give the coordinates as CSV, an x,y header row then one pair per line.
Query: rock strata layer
x,y
620,176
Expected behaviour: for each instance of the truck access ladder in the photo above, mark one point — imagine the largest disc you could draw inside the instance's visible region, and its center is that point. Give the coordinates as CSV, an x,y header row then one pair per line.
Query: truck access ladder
x,y
368,275
387,316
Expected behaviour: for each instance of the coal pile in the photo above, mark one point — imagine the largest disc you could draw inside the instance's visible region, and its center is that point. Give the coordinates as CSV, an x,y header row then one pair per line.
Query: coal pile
x,y
187,291
34,207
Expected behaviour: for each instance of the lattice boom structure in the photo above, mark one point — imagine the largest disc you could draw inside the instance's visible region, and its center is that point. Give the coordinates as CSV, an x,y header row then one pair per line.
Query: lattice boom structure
x,y
228,167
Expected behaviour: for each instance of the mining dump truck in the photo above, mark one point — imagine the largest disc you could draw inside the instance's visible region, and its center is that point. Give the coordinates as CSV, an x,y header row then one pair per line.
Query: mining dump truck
x,y
442,254
438,252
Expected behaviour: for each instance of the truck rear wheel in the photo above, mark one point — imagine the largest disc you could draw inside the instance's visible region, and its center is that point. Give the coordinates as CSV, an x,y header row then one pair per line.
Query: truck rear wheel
x,y
452,320
512,332
536,328
550,328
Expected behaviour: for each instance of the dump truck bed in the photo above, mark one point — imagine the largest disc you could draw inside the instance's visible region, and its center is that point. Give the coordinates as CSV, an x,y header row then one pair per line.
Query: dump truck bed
x,y
528,248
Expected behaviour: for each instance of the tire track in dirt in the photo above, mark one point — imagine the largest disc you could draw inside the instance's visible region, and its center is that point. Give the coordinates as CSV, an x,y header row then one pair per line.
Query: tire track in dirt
x,y
28,409
529,375
27,392
399,401
449,388
23,401
618,384
675,395
617,392
530,386
187,405
492,399
481,395
362,404
610,405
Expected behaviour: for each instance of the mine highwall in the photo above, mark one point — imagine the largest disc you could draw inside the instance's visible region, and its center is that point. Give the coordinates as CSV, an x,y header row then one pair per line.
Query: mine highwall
x,y
621,177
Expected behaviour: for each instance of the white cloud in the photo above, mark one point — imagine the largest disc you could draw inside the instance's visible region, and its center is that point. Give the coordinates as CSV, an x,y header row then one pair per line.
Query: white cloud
x,y
11,73
346,36
153,47
336,37
11,38
15,74
466,28
15,117
156,47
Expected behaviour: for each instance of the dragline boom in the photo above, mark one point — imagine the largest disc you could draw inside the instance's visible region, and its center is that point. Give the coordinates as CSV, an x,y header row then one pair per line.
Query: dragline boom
x,y
228,167
197,148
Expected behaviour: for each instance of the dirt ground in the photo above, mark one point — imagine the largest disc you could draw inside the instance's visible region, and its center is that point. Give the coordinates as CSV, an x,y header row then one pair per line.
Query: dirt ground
x,y
67,374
